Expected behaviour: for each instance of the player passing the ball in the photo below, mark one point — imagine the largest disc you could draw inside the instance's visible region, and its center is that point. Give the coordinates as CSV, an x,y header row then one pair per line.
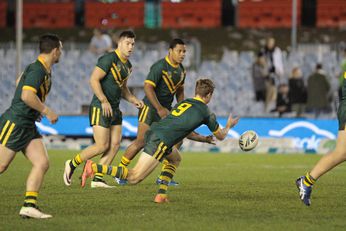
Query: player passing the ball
x,y
183,119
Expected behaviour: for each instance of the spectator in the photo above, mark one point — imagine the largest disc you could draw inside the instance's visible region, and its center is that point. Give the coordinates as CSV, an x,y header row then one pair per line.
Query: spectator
x,y
99,43
273,56
318,91
283,104
259,77
297,92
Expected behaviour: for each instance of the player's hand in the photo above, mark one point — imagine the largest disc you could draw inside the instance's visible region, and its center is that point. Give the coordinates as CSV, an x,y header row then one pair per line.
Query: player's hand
x,y
210,140
51,116
231,122
163,112
107,109
138,103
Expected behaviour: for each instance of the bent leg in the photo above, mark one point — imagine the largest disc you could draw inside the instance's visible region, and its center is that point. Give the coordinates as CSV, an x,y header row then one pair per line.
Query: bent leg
x,y
6,157
115,139
135,146
37,154
167,174
332,159
144,166
108,157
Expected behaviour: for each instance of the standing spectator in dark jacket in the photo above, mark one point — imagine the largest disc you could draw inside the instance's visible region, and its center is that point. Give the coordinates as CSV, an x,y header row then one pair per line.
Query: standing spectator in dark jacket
x,y
297,92
318,91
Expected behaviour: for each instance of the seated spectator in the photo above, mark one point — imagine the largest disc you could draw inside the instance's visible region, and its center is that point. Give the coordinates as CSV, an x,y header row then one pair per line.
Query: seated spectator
x,y
100,43
283,104
297,92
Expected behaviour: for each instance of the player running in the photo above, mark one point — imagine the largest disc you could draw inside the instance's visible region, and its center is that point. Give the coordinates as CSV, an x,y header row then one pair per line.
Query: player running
x,y
18,131
109,83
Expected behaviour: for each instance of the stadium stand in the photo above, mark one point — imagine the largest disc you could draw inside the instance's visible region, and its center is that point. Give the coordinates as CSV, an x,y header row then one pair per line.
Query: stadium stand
x,y
266,14
198,14
232,76
49,15
117,14
3,13
331,13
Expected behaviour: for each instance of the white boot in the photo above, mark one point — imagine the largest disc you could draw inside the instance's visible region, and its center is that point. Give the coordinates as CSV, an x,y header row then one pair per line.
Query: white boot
x,y
31,212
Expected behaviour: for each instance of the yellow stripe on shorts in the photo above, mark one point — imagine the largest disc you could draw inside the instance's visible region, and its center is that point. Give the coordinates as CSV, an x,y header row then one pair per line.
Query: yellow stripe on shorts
x,y
4,129
8,134
98,116
142,113
93,116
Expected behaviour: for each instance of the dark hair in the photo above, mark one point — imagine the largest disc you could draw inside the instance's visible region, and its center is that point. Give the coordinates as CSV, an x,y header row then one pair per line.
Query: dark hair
x,y
319,66
48,42
175,42
127,34
204,87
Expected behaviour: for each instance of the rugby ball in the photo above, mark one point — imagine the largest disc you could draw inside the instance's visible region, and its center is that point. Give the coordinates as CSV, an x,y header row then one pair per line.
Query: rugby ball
x,y
248,140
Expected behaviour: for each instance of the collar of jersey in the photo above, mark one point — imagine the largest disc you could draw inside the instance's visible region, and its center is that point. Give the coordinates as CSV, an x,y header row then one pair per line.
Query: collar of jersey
x,y
169,62
199,99
40,59
121,59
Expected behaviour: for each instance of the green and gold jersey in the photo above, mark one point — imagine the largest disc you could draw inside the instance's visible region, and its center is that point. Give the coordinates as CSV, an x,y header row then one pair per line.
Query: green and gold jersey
x,y
343,98
34,78
166,79
185,117
117,71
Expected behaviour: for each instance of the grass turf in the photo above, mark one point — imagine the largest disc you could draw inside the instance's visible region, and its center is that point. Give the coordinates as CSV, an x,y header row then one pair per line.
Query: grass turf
x,y
217,192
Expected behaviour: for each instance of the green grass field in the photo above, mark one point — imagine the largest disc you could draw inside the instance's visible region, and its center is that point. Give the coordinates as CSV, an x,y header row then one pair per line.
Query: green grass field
x,y
217,192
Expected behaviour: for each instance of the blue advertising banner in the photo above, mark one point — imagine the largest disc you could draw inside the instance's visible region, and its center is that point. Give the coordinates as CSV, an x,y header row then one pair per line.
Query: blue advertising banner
x,y
307,131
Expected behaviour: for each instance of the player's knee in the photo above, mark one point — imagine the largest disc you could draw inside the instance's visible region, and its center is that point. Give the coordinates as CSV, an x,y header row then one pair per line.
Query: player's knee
x,y
136,178
102,147
45,166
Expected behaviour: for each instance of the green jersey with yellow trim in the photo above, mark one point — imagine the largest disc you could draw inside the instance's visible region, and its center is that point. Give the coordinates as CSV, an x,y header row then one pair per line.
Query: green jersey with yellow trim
x,y
117,71
166,79
343,97
184,118
37,79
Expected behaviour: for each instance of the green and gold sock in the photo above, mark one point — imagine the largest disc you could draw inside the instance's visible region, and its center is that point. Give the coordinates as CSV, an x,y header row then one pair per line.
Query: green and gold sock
x,y
115,171
309,180
30,199
165,177
75,162
98,177
124,162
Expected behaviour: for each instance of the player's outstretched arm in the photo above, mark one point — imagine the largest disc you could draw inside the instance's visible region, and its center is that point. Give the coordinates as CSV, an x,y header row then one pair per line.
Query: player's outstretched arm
x,y
128,96
96,76
199,138
30,98
222,133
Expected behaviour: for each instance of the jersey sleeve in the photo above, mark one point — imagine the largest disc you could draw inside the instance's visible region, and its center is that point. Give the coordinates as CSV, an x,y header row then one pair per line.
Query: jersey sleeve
x,y
105,63
33,80
212,124
154,76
